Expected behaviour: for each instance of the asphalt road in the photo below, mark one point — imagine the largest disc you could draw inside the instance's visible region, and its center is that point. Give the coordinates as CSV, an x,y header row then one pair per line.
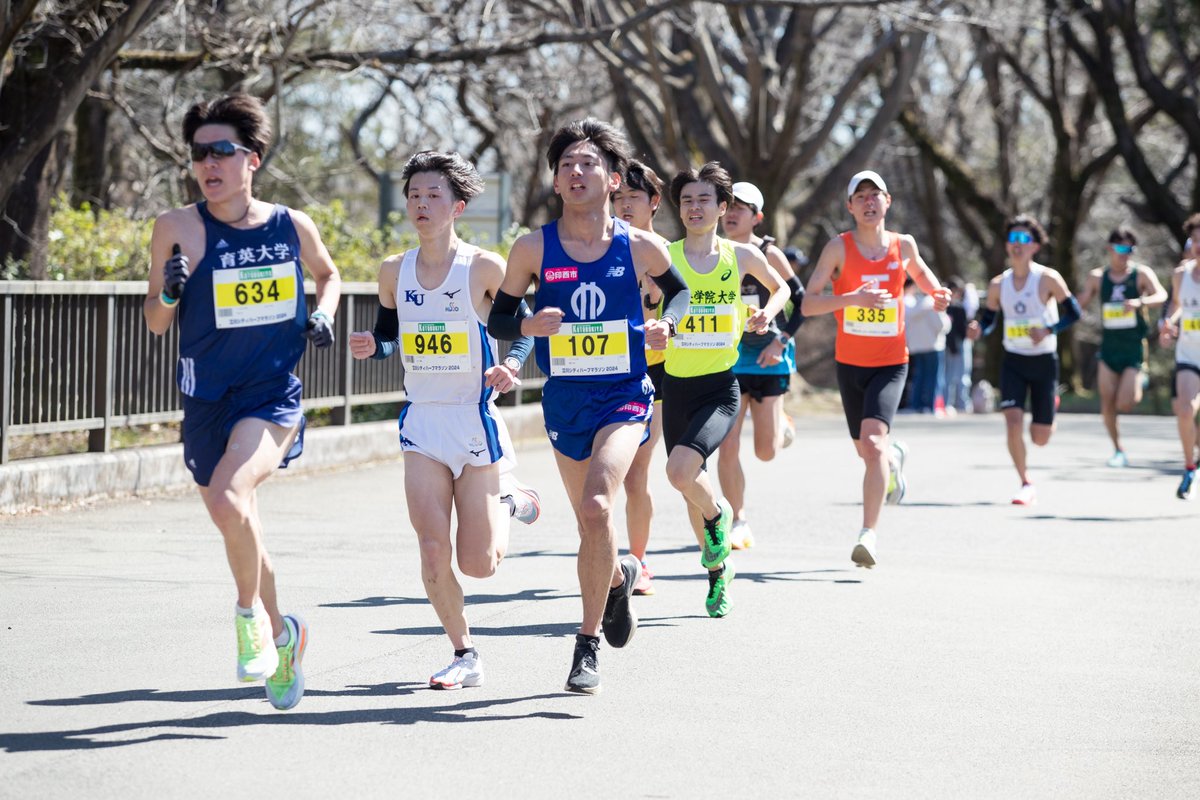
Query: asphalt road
x,y
996,651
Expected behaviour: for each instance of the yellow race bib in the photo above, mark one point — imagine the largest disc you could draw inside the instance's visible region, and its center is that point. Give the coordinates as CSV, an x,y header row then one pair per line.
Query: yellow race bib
x,y
590,348
262,295
435,346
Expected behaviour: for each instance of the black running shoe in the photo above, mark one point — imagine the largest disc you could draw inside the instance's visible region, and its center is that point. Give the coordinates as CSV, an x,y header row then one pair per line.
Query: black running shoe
x,y
619,621
585,666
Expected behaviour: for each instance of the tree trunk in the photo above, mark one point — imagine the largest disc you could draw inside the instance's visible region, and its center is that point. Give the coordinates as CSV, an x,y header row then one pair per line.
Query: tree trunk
x,y
89,175
23,232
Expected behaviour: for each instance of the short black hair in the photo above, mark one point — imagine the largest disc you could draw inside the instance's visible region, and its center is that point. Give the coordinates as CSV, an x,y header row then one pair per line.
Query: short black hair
x,y
242,111
1191,226
641,178
1032,225
465,183
1119,235
713,173
608,140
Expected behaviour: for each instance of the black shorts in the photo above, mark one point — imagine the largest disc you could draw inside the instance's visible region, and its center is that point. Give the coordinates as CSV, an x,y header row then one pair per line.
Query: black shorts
x,y
760,386
1032,376
870,393
657,372
1179,367
700,412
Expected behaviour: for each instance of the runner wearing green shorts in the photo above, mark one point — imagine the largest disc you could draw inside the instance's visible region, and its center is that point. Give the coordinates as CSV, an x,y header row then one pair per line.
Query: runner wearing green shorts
x,y
1124,288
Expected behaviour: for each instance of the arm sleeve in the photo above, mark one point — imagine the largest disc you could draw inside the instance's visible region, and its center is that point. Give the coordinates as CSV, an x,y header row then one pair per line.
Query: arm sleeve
x,y
523,346
1068,314
793,323
987,320
386,332
675,294
504,322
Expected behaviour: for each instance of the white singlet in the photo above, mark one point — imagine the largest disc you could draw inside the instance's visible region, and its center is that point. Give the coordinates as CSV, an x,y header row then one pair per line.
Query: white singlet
x,y
1023,309
1187,349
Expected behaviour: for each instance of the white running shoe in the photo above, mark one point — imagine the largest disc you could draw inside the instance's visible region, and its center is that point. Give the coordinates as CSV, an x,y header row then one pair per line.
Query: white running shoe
x,y
789,432
740,537
1027,496
1118,459
863,554
464,670
896,486
525,504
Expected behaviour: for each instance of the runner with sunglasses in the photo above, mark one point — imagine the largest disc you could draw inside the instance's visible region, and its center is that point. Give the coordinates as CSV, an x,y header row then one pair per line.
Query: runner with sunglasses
x,y
1029,369
232,268
1124,288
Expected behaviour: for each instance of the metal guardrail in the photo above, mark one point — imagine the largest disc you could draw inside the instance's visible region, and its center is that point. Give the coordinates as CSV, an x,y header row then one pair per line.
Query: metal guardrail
x,y
77,356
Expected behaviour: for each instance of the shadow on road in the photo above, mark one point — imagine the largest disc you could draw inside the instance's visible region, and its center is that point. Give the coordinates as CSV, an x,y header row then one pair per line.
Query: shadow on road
x,y
474,599
548,629
770,577
199,727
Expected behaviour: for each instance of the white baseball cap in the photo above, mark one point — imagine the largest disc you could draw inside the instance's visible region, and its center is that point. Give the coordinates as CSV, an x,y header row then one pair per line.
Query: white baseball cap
x,y
865,175
748,193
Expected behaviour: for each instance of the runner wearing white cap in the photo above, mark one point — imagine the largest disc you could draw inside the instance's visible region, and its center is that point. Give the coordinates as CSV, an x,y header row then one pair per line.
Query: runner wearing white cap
x,y
866,267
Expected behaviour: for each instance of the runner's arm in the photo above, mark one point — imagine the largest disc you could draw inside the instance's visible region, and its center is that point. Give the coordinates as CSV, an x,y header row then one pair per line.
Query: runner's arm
x,y
1068,306
315,257
1157,295
651,258
505,320
815,300
922,275
778,260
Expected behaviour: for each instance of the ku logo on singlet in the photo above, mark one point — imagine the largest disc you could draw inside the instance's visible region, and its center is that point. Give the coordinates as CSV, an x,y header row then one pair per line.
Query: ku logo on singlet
x,y
414,297
587,301
1118,292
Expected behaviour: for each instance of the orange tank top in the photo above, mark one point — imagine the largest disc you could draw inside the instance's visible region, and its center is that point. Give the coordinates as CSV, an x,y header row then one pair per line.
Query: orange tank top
x,y
871,337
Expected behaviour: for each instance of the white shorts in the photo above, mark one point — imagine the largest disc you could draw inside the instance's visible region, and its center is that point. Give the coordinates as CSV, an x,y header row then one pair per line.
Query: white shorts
x,y
457,435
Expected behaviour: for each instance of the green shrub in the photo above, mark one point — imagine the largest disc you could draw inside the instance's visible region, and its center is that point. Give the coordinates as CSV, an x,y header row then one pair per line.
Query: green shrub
x,y
96,246
107,245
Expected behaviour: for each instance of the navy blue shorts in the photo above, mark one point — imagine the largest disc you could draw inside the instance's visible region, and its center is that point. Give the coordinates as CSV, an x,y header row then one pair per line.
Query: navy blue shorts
x,y
207,426
575,411
1032,377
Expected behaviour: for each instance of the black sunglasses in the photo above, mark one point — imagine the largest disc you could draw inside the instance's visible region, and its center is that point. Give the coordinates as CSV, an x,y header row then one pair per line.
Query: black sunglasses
x,y
222,148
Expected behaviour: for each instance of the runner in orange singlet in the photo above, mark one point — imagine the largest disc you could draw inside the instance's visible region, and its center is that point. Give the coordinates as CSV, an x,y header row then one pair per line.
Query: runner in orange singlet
x,y
866,267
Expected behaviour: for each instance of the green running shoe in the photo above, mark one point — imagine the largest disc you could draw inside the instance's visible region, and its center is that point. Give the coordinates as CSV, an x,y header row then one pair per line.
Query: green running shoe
x,y
716,537
286,686
256,652
718,602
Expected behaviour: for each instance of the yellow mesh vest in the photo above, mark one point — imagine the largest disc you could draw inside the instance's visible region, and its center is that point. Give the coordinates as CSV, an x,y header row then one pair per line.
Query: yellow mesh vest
x,y
707,338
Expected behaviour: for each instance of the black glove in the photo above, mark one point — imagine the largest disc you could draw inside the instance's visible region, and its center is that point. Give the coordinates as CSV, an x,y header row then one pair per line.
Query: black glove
x,y
176,274
319,329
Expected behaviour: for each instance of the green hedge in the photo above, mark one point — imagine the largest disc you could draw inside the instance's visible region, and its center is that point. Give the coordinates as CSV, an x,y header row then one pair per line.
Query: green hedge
x,y
108,245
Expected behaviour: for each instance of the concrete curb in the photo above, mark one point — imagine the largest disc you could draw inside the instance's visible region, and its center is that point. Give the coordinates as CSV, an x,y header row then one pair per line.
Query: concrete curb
x,y
37,483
